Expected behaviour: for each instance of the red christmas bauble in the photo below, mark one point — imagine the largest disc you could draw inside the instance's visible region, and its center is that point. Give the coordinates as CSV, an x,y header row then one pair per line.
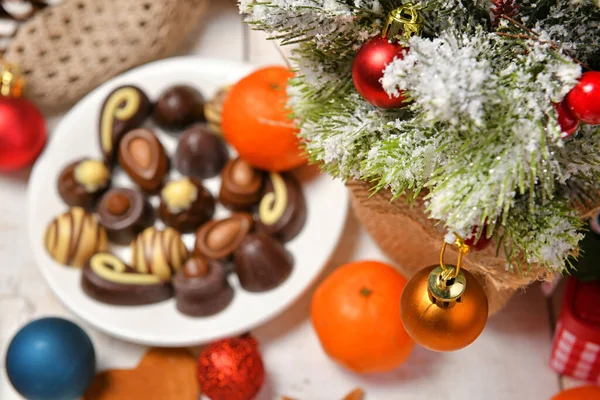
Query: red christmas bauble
x,y
584,98
480,244
22,133
367,70
567,121
231,369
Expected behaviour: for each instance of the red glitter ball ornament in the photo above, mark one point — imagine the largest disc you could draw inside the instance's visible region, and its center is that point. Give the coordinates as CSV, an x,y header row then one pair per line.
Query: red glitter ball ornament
x,y
231,369
367,70
584,98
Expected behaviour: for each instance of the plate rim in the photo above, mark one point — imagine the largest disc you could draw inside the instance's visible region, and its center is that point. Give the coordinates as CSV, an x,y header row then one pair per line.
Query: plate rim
x,y
113,331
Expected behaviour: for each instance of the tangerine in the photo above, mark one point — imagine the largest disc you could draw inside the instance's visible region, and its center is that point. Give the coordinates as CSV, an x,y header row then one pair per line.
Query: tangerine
x,y
356,315
256,121
579,393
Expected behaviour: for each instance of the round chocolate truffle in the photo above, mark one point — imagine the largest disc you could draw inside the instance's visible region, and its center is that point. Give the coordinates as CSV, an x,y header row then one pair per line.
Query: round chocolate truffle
x,y
200,153
124,213
185,204
178,107
158,252
201,288
81,183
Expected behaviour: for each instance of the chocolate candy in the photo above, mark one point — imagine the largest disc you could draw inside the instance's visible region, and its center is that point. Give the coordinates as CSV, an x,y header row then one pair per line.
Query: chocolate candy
x,y
218,239
282,210
143,157
124,213
73,237
240,186
178,107
124,109
107,279
158,252
214,107
200,153
261,262
201,288
82,182
185,204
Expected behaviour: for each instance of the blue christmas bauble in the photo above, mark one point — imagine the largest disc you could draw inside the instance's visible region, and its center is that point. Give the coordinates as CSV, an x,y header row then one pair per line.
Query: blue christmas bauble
x,y
51,359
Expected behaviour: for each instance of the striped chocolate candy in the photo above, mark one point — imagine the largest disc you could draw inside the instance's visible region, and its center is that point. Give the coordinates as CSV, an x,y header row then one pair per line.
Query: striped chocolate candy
x,y
157,252
73,237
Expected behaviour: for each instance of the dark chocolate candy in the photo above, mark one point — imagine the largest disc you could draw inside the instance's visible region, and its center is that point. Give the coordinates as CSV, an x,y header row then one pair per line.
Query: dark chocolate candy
x,y
261,262
282,209
159,253
124,109
185,204
218,239
107,279
143,157
241,186
178,107
201,288
200,153
82,182
124,213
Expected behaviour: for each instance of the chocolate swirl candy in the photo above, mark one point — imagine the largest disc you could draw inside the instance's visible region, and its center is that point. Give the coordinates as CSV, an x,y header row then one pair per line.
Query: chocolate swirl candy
x,y
73,237
124,213
177,107
282,210
185,204
240,186
261,262
201,288
124,109
158,252
143,157
81,183
218,239
200,153
107,279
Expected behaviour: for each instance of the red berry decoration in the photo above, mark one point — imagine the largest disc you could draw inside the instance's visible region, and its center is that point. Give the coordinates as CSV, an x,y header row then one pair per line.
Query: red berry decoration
x,y
231,369
481,244
567,121
22,125
584,98
367,70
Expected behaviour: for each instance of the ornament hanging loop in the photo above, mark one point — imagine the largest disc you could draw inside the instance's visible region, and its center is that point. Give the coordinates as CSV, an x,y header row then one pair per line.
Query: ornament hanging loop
x,y
463,249
403,23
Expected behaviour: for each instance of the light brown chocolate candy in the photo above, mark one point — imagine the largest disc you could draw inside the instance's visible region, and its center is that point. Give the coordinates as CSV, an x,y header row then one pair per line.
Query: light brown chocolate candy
x,y
73,237
159,253
124,109
240,186
143,157
218,239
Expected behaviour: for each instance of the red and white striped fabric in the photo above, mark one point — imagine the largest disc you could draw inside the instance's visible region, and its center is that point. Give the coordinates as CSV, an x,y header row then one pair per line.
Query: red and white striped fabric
x,y
576,347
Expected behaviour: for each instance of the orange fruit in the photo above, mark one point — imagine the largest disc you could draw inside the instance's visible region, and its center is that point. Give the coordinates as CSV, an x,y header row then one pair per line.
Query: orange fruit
x,y
256,121
356,315
579,393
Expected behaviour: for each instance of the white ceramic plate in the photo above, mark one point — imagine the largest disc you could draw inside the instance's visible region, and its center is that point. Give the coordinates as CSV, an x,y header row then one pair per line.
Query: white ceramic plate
x,y
161,324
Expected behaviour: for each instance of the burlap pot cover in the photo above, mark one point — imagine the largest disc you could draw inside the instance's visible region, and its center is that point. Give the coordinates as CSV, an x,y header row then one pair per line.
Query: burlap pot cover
x,y
408,237
67,50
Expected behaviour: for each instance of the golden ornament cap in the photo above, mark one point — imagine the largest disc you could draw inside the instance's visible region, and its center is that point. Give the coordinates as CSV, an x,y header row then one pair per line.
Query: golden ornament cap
x,y
403,23
11,80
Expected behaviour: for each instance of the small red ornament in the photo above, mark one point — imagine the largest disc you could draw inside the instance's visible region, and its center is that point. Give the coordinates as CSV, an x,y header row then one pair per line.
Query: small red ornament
x,y
367,71
567,121
584,98
231,369
22,125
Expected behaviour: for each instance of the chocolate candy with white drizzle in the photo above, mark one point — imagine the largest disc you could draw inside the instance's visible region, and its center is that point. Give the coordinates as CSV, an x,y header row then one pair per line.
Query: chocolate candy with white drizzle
x,y
124,109
108,279
160,253
82,182
218,239
73,237
241,186
282,209
185,204
144,159
201,288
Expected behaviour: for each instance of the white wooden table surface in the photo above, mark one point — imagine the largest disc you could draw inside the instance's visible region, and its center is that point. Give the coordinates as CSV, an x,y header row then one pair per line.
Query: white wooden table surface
x,y
508,361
